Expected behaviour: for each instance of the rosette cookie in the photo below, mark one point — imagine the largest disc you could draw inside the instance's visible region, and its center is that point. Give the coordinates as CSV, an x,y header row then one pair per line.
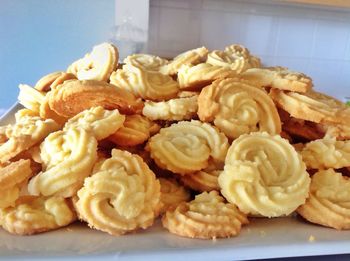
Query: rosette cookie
x,y
173,110
100,122
172,194
193,57
328,204
327,153
122,196
68,157
97,65
145,84
12,178
237,108
235,56
25,133
312,106
135,130
264,175
279,78
187,147
32,215
206,217
76,96
145,62
200,75
52,80
30,98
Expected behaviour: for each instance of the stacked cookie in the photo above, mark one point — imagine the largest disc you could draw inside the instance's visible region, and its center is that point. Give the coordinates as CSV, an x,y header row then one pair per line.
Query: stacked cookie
x,y
205,140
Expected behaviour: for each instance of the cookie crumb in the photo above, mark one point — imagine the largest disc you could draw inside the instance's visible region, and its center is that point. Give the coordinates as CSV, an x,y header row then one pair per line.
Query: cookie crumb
x,y
311,238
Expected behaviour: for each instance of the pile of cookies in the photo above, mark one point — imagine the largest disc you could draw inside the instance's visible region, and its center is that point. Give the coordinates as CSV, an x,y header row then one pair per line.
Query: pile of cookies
x,y
205,141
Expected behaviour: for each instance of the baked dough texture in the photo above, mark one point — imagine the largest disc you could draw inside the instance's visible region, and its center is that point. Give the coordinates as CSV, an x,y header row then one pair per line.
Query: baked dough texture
x,y
30,98
279,78
172,194
68,157
145,62
203,180
52,80
188,146
206,217
100,122
12,178
191,57
326,153
312,106
32,215
328,204
75,96
97,65
200,75
25,133
145,84
264,176
237,107
173,110
122,196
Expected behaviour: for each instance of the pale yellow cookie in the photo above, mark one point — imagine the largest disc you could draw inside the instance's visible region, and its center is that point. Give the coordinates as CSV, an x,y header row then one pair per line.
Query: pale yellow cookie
x,y
25,112
145,84
200,75
25,133
32,215
206,217
328,204
30,98
237,107
172,194
122,196
173,110
100,122
279,78
203,180
326,153
136,130
52,80
68,157
145,62
264,175
97,65
187,146
12,177
312,106
193,57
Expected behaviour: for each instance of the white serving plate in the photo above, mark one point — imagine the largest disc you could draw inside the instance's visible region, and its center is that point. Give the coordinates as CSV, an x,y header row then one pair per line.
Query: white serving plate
x,y
262,238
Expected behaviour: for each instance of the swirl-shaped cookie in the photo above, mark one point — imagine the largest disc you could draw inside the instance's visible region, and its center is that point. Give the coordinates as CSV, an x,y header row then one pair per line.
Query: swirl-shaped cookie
x,y
75,96
145,62
193,57
30,98
32,215
135,130
203,180
68,157
264,175
206,217
279,78
237,107
97,65
100,122
145,84
52,80
328,204
326,153
173,110
12,178
312,106
27,132
200,75
122,196
172,194
187,147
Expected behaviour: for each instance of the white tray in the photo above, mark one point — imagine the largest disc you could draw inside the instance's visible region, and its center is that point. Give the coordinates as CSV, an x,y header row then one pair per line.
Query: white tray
x,y
263,238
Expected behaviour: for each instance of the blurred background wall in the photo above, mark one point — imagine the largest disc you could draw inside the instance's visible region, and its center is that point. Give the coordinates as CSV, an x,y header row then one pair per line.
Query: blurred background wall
x,y
41,36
